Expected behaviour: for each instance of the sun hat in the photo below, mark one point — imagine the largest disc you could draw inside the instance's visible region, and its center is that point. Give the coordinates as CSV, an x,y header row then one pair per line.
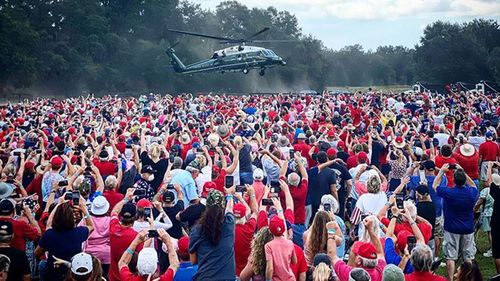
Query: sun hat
x,y
258,174
467,150
100,206
185,139
301,136
79,261
147,261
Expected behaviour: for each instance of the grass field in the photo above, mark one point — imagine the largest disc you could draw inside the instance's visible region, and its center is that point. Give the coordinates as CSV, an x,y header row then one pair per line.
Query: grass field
x,y
487,265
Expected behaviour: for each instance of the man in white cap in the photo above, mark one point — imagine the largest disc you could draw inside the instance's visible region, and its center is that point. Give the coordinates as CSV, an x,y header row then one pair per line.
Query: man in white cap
x,y
147,260
258,185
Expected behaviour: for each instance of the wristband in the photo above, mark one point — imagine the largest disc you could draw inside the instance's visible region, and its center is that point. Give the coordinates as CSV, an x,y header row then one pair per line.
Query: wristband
x,y
331,231
87,216
130,251
126,200
252,195
229,197
280,211
413,223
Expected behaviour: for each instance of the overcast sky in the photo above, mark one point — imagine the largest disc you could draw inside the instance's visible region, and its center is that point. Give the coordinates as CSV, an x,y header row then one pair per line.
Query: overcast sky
x,y
373,23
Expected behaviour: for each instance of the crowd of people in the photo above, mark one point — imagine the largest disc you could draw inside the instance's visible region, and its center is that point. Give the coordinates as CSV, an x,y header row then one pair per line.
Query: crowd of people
x,y
363,186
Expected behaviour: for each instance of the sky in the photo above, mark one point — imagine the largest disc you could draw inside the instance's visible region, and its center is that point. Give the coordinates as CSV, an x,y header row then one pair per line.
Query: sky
x,y
373,23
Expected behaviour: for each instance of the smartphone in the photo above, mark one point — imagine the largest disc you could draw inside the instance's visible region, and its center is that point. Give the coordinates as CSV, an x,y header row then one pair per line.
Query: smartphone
x,y
171,158
147,212
399,201
68,196
63,183
267,202
17,153
411,241
140,192
88,169
38,151
369,167
327,207
199,150
275,187
170,186
153,233
363,217
241,188
292,152
452,166
75,195
229,181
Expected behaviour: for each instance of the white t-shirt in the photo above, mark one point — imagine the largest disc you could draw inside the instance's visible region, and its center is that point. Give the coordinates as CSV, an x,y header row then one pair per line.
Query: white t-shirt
x,y
370,203
204,176
443,138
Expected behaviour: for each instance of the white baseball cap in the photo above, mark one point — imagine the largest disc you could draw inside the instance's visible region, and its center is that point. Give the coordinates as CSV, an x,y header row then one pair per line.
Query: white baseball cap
x,y
79,261
258,174
147,261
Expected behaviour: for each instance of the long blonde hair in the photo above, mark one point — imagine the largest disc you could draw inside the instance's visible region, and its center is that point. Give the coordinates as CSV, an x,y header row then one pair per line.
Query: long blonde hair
x,y
258,253
322,272
318,235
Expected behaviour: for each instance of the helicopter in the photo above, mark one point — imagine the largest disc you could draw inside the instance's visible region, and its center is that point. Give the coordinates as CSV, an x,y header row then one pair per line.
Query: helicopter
x,y
238,58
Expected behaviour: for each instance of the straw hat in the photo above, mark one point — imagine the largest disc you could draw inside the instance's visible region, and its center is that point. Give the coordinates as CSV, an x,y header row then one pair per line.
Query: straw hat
x,y
467,150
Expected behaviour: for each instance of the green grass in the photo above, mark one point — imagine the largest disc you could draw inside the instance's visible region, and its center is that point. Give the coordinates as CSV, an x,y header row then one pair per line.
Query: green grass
x,y
487,265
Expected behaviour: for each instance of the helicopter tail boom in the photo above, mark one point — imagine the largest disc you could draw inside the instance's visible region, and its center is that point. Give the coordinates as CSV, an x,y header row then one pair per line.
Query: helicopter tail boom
x,y
175,61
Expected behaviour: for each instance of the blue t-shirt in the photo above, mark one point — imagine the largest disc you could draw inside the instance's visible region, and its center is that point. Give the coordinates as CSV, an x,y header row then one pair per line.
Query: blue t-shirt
x,y
63,245
458,208
436,199
215,262
392,257
186,271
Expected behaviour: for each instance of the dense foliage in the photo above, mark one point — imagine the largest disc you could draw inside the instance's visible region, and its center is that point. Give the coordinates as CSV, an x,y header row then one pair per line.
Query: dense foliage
x,y
119,45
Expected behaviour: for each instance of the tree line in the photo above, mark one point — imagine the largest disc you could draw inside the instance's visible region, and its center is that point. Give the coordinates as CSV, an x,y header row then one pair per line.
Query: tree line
x,y
105,46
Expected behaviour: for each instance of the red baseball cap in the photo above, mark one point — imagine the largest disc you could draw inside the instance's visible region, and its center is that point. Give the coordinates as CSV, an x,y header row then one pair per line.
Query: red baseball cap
x,y
366,250
331,152
362,157
207,187
71,130
341,144
277,226
29,165
144,203
56,161
331,133
239,210
215,169
402,239
183,246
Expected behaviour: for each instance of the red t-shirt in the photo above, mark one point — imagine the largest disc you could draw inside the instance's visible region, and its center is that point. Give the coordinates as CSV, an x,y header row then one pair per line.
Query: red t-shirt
x,y
263,221
301,265
219,181
120,238
352,161
113,198
489,151
22,231
423,276
425,228
470,164
106,168
440,161
126,275
243,235
299,194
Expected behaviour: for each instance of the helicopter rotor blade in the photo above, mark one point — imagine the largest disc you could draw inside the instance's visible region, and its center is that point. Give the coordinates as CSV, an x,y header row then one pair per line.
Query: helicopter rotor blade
x,y
200,35
261,31
272,41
